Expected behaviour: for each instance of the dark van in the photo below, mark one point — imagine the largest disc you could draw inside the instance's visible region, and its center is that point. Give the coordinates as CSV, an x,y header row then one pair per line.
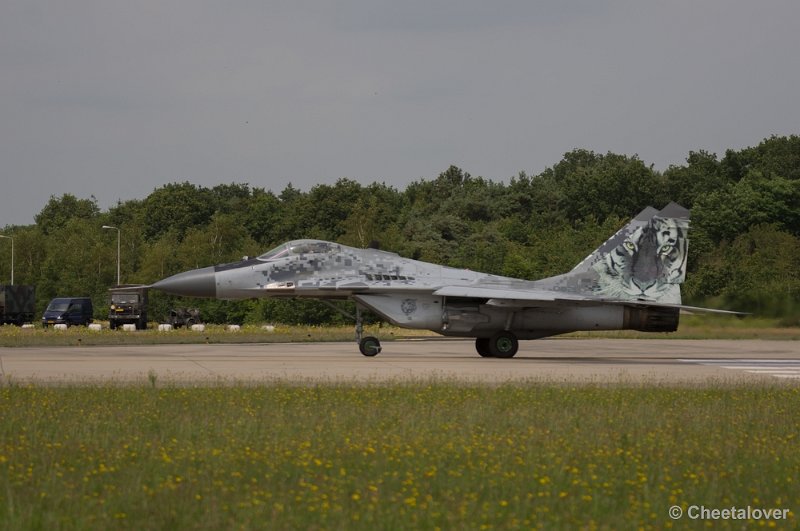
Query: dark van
x,y
69,311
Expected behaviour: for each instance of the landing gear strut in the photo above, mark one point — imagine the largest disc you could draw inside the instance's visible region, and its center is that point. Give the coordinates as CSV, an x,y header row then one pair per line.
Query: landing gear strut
x,y
501,345
369,346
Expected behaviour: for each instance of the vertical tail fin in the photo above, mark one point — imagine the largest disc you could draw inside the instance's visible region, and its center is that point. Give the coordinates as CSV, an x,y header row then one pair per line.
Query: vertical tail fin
x,y
643,261
640,220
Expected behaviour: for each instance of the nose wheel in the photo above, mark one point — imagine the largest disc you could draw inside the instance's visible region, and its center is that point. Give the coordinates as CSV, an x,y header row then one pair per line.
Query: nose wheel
x,y
369,346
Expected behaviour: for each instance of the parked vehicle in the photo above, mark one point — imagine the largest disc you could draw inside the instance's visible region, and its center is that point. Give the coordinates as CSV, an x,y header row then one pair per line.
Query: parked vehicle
x,y
128,306
17,304
179,317
69,311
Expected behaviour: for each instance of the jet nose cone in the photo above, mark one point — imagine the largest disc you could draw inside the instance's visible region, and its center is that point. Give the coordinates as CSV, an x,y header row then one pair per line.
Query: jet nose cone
x,y
194,283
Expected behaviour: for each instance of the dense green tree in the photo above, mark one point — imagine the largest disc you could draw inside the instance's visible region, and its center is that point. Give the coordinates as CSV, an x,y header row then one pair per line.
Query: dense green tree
x,y
177,207
600,186
756,272
330,206
701,175
221,240
292,221
777,156
30,252
231,198
729,211
534,202
160,259
261,219
79,262
743,253
60,210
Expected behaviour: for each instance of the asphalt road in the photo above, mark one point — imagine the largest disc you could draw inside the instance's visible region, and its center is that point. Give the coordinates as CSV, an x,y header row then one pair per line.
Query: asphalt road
x,y
562,360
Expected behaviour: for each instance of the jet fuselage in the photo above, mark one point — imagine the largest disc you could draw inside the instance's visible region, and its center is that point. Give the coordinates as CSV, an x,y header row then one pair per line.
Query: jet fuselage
x,y
400,290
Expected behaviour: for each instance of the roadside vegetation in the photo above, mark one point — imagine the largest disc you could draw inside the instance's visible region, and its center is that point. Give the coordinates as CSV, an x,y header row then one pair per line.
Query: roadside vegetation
x,y
422,455
691,327
743,255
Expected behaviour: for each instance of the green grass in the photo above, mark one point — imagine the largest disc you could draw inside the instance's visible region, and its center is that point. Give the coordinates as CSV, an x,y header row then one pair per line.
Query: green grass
x,y
403,456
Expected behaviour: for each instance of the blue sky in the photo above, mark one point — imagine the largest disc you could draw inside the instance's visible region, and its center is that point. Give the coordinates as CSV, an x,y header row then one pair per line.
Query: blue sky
x,y
113,98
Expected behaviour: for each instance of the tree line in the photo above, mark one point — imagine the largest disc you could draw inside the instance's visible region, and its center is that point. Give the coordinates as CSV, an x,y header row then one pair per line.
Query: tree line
x,y
744,240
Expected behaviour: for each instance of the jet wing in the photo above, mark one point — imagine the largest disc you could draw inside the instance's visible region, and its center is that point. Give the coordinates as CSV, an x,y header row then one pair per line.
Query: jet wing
x,y
512,297
537,298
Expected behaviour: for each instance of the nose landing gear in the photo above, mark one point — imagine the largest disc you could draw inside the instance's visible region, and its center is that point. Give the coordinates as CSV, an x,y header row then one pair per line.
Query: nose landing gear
x,y
369,346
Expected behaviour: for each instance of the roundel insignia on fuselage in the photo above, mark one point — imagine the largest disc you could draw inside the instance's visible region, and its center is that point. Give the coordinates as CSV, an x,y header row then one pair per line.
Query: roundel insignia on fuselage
x,y
409,306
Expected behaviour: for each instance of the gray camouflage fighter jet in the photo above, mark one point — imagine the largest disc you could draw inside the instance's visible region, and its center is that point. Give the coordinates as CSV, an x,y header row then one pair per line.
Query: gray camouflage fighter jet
x,y
632,281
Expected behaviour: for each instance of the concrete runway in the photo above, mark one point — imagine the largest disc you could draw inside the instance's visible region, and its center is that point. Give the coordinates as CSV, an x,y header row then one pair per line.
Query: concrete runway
x,y
561,360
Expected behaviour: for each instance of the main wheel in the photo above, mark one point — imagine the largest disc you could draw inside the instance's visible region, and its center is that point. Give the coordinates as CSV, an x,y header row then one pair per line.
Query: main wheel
x,y
482,346
503,345
369,346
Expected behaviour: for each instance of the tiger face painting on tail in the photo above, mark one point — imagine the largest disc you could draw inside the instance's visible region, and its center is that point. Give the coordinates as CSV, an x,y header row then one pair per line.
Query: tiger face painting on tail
x,y
649,265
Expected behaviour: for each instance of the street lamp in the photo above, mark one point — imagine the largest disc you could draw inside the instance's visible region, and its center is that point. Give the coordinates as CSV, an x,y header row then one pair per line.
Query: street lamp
x,y
118,240
12,256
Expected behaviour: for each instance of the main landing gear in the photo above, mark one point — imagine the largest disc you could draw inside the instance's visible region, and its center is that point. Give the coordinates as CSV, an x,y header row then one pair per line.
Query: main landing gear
x,y
501,345
369,346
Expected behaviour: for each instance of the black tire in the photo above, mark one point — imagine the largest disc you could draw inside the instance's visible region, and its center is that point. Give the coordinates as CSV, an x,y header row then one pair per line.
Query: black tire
x,y
482,346
369,346
503,345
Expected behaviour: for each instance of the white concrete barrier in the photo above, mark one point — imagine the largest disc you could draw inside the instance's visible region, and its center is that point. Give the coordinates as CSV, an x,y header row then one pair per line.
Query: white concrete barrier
x,y
268,328
28,326
198,328
164,327
129,327
234,328
95,327
60,326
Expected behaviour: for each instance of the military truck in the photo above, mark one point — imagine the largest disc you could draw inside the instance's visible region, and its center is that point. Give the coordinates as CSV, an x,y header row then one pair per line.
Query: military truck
x,y
128,305
17,304
179,317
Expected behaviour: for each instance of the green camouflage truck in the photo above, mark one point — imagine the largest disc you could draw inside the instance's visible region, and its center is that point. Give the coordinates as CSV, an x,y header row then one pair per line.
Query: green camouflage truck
x,y
128,305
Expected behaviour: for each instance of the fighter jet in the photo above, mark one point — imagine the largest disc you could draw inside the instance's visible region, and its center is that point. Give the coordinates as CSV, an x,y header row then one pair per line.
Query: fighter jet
x,y
632,281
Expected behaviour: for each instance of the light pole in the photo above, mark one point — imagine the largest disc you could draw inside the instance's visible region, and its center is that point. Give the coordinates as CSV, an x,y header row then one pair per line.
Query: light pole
x,y
12,256
118,240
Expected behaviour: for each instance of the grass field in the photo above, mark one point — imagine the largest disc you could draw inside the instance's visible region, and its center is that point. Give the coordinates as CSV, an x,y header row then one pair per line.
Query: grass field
x,y
406,456
691,327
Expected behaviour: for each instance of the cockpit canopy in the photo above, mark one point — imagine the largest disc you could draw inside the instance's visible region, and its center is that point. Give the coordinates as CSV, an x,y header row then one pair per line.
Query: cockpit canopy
x,y
298,247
